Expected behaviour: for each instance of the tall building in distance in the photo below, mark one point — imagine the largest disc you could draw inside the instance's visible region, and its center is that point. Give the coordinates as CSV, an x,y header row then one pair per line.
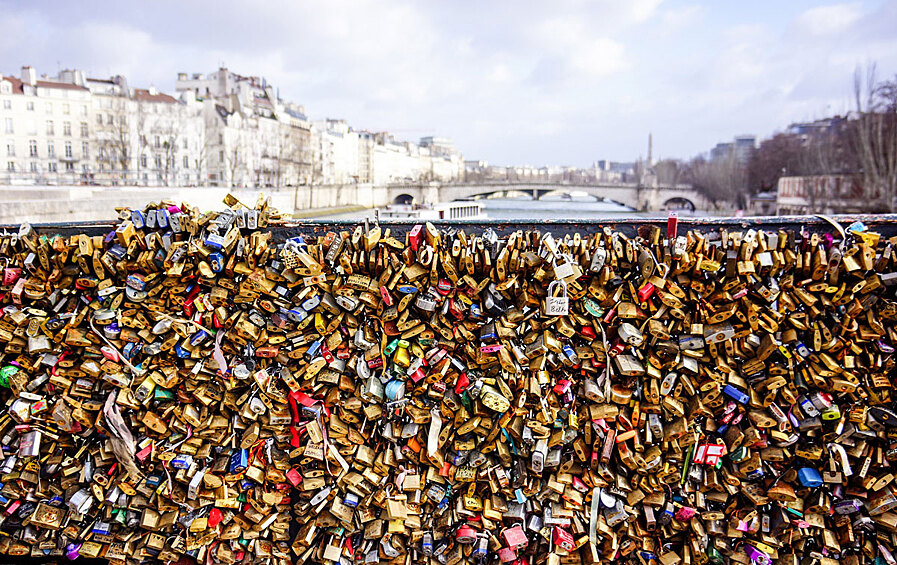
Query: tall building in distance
x,y
217,129
741,149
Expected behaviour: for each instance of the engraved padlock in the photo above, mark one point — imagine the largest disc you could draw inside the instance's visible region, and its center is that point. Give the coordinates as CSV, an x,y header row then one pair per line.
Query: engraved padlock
x,y
557,305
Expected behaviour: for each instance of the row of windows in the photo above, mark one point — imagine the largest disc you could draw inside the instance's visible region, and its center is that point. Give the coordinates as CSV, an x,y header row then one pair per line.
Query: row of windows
x,y
9,127
69,166
48,107
51,149
51,167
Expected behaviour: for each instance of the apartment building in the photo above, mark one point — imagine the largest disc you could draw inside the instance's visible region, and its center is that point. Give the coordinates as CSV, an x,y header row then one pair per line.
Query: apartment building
x,y
219,129
44,125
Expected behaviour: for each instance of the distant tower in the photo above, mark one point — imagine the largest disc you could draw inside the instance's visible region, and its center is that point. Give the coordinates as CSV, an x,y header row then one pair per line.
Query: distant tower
x,y
650,146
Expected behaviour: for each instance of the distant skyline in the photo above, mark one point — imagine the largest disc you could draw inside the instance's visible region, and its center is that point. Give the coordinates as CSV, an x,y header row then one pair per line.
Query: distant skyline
x,y
514,83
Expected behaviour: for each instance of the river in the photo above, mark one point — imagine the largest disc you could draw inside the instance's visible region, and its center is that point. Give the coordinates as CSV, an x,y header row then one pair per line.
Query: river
x,y
548,208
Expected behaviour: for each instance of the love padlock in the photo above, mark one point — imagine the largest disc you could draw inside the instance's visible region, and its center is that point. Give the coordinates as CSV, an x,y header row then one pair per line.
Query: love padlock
x,y
557,305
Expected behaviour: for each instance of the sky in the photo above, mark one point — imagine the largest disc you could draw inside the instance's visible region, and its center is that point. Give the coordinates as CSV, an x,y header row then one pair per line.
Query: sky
x,y
519,82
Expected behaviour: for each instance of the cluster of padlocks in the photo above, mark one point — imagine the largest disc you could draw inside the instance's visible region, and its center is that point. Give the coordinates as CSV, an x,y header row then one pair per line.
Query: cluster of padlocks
x,y
192,387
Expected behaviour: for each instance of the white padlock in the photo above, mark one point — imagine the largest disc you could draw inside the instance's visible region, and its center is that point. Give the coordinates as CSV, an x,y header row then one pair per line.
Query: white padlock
x,y
557,305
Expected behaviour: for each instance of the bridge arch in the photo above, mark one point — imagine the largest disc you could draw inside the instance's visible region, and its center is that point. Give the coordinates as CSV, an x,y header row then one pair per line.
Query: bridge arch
x,y
403,198
679,203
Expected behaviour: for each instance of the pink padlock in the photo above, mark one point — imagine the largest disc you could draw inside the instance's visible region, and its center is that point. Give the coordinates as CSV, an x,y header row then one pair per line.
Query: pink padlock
x,y
515,537
506,555
685,513
11,275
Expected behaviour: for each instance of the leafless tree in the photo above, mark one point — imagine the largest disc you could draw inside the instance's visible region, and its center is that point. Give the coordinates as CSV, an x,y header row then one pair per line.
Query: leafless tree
x,y
720,180
875,137
204,150
235,163
168,132
669,172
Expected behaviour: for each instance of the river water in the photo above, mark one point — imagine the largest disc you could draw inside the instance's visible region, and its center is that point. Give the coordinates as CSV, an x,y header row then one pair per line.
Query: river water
x,y
577,208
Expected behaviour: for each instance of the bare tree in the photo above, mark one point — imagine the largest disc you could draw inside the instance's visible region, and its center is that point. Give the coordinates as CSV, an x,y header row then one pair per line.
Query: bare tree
x,y
168,132
235,163
875,137
204,150
720,180
669,172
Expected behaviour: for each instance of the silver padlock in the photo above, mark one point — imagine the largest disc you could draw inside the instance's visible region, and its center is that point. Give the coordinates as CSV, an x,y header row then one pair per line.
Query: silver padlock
x,y
564,269
599,256
557,305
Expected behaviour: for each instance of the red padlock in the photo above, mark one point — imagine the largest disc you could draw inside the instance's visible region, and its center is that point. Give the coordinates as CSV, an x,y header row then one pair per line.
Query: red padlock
x,y
294,477
466,535
563,539
415,236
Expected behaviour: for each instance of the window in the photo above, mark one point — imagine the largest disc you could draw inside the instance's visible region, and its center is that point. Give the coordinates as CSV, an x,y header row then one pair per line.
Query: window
x,y
49,107
10,149
67,129
11,166
186,144
109,119
50,128
99,119
186,162
32,148
84,132
220,138
221,156
123,120
30,106
156,142
85,150
8,124
69,166
7,104
34,166
68,149
143,161
51,150
52,167
158,161
65,109
85,169
84,111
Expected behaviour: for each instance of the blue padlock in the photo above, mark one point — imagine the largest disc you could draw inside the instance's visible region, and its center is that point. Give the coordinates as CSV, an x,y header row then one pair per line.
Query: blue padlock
x,y
736,394
137,219
239,460
809,477
180,351
216,260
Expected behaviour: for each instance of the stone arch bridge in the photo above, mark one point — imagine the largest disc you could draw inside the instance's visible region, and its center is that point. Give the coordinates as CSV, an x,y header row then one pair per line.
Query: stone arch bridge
x,y
641,198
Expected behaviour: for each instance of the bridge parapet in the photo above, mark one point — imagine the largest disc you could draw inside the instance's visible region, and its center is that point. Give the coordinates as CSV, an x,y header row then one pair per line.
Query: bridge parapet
x,y
628,194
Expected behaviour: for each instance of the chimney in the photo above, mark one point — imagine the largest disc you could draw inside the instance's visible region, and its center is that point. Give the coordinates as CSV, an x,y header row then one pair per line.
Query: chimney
x,y
29,76
152,90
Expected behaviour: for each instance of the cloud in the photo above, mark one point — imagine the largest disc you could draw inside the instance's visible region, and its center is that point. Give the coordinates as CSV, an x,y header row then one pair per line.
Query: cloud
x,y
826,20
512,81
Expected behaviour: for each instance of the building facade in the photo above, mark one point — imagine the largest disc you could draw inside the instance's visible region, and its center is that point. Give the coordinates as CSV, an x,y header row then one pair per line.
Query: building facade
x,y
820,194
45,127
220,129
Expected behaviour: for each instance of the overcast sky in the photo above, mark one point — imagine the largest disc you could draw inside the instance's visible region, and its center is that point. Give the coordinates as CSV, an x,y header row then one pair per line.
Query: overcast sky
x,y
513,82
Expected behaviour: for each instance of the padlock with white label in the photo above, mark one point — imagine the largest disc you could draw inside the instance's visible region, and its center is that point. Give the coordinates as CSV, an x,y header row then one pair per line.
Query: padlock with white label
x,y
557,305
